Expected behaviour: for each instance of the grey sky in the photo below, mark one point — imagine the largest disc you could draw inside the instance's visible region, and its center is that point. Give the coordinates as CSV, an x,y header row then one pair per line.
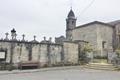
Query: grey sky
x,y
47,17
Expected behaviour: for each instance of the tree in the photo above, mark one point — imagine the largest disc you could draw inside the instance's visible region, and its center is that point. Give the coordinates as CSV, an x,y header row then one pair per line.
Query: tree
x,y
85,50
118,52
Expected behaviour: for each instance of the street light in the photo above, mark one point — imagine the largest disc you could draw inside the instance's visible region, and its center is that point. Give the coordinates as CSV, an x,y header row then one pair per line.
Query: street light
x,y
13,35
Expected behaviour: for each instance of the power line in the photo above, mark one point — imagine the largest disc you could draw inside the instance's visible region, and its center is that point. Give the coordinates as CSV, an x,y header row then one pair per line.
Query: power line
x,y
89,5
71,3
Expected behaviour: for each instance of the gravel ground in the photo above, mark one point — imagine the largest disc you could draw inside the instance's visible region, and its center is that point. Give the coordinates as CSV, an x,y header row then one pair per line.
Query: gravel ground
x,y
69,74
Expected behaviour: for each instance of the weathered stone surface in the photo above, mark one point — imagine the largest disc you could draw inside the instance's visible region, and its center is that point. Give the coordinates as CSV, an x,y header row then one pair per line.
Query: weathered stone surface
x,y
95,34
32,52
70,52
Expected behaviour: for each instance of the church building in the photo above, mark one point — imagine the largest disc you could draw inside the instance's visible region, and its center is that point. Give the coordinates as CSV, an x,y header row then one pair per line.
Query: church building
x,y
102,37
89,41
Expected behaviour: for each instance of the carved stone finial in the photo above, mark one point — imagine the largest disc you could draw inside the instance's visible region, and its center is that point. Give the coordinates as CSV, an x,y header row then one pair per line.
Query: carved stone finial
x,y
34,38
6,36
44,38
50,39
23,39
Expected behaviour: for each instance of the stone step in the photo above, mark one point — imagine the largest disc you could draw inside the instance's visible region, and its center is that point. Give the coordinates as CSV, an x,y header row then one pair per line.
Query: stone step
x,y
100,66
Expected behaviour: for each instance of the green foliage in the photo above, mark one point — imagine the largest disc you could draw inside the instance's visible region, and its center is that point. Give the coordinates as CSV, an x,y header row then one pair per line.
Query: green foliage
x,y
118,52
100,57
87,48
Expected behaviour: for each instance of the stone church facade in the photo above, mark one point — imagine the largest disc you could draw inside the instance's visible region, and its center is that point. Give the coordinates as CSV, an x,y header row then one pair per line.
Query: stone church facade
x,y
103,38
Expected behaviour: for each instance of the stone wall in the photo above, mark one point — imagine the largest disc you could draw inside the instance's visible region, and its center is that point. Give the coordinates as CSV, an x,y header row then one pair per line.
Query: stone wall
x,y
117,35
70,52
87,33
44,53
6,46
104,38
95,34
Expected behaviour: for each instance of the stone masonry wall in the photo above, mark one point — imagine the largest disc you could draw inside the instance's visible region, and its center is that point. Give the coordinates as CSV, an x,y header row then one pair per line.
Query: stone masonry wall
x,y
70,52
87,33
104,38
43,53
95,34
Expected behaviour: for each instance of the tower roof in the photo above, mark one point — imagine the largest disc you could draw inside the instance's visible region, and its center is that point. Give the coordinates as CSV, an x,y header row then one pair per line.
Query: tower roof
x,y
71,13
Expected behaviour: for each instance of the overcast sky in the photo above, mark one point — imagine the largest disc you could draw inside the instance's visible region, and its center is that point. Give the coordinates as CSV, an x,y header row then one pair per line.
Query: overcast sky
x,y
47,17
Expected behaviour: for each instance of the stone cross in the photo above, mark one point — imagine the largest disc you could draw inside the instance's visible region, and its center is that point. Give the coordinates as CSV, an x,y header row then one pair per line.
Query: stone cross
x,y
6,36
44,38
34,38
23,37
50,39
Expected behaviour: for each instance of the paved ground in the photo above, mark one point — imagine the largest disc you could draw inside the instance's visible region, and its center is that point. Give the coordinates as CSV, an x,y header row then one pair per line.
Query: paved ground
x,y
65,74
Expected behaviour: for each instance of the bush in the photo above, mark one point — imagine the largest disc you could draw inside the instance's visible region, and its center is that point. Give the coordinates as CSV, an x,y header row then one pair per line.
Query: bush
x,y
100,57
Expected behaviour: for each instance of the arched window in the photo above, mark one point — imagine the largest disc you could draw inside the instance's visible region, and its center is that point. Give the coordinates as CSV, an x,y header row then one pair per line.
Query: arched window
x,y
72,22
67,22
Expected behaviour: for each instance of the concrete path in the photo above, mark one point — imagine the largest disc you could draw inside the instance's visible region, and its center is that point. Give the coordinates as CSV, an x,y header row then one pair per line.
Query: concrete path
x,y
39,70
64,73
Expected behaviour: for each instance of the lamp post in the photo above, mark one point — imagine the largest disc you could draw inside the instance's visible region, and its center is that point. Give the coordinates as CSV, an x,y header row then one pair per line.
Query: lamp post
x,y
13,35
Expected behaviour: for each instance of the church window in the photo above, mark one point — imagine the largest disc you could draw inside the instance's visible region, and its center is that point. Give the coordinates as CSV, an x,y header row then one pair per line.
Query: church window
x,y
67,22
103,44
72,22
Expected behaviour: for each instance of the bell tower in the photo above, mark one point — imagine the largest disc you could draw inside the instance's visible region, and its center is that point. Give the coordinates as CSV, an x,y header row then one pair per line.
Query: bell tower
x,y
70,25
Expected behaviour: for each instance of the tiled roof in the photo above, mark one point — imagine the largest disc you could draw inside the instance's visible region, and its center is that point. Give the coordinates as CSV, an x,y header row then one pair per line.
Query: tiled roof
x,y
113,23
95,22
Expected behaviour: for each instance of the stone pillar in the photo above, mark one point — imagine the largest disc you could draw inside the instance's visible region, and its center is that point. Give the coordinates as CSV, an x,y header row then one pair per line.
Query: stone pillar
x,y
15,36
34,38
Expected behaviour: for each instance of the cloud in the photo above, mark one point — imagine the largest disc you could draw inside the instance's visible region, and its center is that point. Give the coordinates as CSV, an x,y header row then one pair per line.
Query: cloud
x,y
47,17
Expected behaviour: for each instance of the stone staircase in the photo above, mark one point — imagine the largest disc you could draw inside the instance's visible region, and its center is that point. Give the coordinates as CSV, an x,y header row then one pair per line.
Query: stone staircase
x,y
100,66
